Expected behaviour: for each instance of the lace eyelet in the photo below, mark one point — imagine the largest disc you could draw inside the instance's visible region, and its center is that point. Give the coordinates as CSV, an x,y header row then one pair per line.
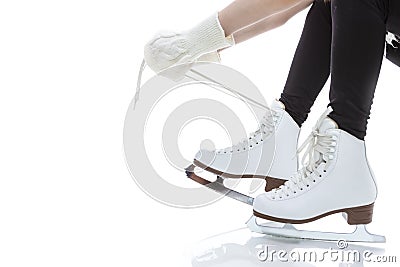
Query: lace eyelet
x,y
225,152
262,140
295,192
301,189
320,175
257,143
251,146
308,185
324,170
314,181
238,150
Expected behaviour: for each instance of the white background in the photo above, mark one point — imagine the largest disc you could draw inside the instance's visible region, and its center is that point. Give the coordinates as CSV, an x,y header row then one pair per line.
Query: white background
x,y
67,75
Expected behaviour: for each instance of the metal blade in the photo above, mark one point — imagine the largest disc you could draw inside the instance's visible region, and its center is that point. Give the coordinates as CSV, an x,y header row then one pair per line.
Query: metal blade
x,y
360,234
218,186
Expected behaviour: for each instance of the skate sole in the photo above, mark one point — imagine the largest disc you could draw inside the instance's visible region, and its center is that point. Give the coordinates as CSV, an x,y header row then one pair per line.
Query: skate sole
x,y
355,216
271,182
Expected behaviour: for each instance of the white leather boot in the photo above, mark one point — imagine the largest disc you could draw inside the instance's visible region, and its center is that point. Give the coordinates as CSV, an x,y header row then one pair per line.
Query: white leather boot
x,y
336,177
171,49
269,153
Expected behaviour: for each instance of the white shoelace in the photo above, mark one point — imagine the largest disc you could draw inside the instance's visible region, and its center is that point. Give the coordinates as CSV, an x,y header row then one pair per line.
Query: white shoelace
x,y
319,149
390,37
267,127
139,83
229,91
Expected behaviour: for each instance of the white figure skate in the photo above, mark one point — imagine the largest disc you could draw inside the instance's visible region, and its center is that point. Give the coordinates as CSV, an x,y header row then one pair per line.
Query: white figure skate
x,y
269,153
336,178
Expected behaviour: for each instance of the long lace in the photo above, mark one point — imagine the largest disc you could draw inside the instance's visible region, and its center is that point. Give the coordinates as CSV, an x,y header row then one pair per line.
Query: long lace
x,y
229,91
139,83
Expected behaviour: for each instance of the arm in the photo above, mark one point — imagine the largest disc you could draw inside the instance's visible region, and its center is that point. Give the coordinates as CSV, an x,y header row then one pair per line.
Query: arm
x,y
269,23
242,13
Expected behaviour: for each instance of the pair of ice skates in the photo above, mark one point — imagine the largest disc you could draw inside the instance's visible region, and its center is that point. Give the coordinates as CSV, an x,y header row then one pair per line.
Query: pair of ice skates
x,y
335,176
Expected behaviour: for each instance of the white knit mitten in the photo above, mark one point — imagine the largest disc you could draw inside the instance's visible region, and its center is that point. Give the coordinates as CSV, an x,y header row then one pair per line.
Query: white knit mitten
x,y
168,49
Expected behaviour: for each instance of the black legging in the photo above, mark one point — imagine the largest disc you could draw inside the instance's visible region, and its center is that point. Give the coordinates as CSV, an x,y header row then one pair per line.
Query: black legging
x,y
344,38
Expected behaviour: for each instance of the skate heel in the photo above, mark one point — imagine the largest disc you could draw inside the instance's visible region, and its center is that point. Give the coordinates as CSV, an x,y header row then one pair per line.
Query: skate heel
x,y
272,183
360,215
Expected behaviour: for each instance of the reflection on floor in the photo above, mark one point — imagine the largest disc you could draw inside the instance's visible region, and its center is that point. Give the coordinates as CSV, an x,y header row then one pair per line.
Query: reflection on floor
x,y
233,250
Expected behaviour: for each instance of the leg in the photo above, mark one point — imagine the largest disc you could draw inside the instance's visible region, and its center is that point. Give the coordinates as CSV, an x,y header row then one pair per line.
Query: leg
x,y
269,23
393,23
358,46
311,64
335,162
242,13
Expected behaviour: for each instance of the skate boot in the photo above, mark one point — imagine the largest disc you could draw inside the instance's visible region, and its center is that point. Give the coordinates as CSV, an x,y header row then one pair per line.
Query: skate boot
x,y
200,43
269,153
336,178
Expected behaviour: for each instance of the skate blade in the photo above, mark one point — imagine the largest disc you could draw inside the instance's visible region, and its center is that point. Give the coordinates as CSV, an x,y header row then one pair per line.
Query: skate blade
x,y
218,186
360,234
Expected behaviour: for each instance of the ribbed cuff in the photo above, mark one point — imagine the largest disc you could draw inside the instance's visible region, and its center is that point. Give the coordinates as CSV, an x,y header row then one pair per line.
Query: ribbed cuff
x,y
208,36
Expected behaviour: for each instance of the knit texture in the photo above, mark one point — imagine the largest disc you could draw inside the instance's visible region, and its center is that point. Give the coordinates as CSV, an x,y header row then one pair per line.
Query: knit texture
x,y
168,48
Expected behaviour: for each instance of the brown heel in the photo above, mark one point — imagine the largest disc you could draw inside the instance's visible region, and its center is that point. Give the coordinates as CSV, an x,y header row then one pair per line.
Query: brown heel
x,y
272,183
360,215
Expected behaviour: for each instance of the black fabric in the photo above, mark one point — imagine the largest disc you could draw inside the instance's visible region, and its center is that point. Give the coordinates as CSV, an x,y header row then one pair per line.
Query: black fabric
x,y
393,21
311,63
359,44
345,38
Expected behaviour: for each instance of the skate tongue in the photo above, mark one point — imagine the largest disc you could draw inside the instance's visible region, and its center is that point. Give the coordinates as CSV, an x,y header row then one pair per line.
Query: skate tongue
x,y
313,155
276,104
327,124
